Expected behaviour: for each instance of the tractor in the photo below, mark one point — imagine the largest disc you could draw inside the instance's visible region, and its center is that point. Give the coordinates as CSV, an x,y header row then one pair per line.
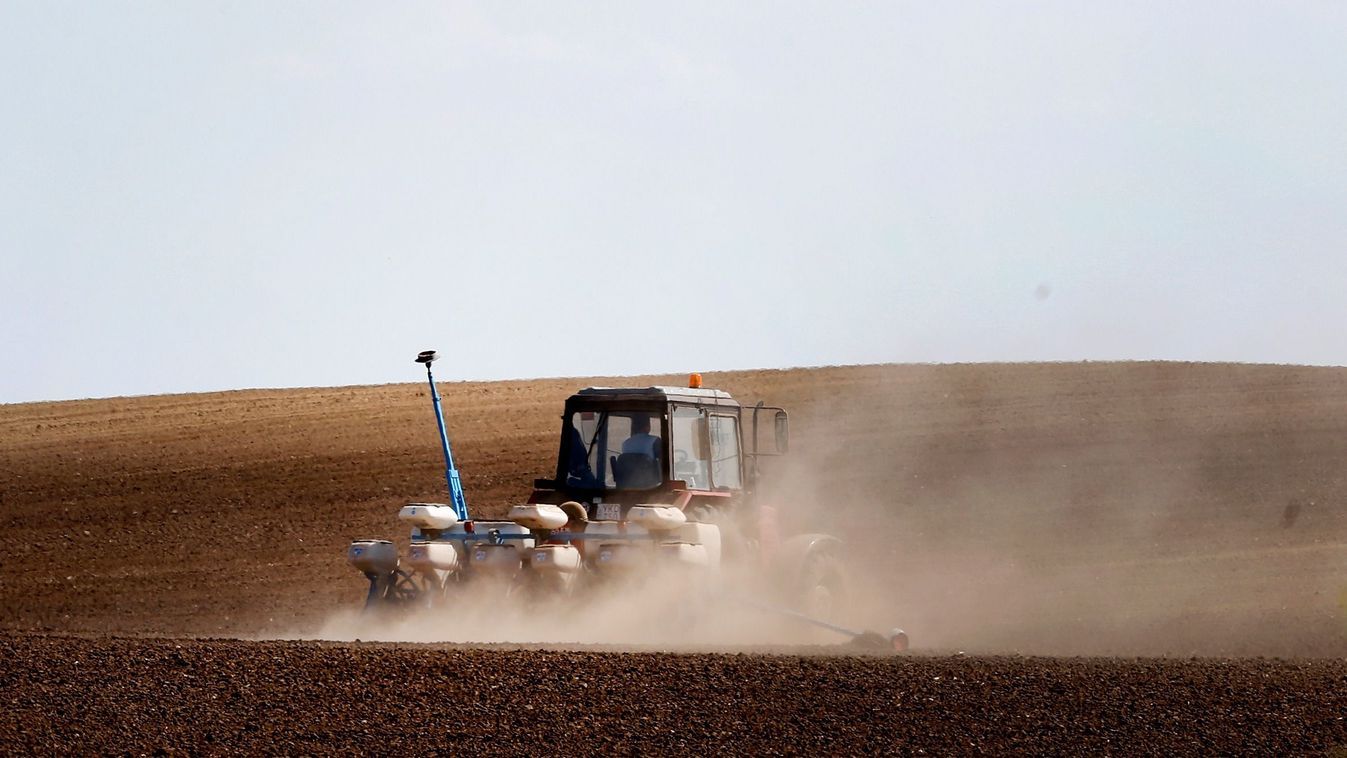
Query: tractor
x,y
647,479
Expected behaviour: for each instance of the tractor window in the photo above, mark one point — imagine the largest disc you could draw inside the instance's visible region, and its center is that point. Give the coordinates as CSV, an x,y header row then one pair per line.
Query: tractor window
x,y
690,461
617,450
724,433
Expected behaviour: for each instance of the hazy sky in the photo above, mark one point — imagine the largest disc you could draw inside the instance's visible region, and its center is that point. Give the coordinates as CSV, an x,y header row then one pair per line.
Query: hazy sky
x,y
202,196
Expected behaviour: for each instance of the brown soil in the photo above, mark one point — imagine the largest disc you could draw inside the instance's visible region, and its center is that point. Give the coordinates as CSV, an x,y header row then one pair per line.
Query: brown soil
x,y
70,695
1062,509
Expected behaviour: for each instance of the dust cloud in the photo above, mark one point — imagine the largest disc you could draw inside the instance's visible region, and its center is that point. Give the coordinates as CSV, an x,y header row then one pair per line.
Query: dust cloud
x,y
667,608
983,512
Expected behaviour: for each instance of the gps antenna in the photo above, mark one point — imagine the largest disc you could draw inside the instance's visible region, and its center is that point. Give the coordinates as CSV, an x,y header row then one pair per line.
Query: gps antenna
x,y
460,503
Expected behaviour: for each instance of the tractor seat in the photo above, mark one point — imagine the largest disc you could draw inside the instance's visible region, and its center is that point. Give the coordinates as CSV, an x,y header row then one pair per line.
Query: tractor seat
x,y
635,470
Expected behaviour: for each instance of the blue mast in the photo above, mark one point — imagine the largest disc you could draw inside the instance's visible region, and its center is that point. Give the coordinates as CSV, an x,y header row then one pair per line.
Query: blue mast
x,y
460,503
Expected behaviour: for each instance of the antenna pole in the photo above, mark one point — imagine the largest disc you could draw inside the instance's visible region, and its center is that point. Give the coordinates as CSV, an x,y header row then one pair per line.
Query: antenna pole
x,y
460,502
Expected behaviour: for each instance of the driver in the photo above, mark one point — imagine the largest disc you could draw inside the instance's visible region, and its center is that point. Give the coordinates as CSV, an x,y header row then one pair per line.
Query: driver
x,y
641,441
577,459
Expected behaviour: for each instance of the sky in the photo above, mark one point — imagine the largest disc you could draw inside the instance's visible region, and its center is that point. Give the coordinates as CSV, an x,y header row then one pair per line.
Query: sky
x,y
203,196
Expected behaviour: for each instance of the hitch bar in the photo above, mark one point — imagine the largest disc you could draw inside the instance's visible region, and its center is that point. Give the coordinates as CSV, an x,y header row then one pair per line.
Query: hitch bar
x,y
896,639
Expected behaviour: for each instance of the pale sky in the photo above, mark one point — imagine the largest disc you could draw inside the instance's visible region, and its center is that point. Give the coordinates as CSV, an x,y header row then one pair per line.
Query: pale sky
x,y
199,196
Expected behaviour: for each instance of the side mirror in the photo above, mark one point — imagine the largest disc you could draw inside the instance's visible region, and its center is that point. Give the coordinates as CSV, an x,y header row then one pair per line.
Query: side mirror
x,y
782,432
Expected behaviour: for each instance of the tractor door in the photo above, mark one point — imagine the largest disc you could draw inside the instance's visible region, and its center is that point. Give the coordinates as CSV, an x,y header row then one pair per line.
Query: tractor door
x,y
726,460
691,451
706,449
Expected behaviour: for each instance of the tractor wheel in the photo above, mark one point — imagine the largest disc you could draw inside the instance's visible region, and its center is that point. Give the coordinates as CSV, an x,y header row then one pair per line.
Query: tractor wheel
x,y
702,513
823,591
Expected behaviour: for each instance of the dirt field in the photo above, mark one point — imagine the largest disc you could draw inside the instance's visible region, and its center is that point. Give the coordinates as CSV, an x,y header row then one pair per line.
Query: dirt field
x,y
1063,509
303,698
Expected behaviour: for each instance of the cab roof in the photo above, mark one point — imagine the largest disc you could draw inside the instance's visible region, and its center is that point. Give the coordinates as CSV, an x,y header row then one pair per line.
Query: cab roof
x,y
700,396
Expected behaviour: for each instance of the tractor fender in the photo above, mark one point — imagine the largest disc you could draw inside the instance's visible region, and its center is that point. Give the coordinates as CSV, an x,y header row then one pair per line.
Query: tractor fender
x,y
794,554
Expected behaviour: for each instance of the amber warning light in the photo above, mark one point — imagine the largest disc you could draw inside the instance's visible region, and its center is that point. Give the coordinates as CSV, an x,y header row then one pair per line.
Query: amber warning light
x,y
695,381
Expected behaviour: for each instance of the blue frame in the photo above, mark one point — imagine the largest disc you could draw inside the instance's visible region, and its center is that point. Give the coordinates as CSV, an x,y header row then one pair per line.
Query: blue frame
x,y
456,497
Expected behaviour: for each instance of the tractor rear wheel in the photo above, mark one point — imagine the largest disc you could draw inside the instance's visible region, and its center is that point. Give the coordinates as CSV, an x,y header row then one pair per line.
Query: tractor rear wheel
x,y
823,591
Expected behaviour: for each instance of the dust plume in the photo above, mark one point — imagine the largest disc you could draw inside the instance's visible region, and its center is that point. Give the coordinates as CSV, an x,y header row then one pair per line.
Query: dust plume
x,y
1164,515
669,608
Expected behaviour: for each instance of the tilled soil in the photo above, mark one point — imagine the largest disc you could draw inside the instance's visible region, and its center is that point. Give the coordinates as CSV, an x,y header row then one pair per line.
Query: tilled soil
x,y
1124,510
74,695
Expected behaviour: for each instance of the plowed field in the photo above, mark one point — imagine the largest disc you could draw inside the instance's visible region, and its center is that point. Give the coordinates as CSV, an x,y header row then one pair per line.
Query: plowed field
x,y
1101,510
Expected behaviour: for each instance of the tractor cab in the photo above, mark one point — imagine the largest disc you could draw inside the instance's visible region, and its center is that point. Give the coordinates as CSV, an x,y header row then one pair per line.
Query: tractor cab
x,y
657,440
